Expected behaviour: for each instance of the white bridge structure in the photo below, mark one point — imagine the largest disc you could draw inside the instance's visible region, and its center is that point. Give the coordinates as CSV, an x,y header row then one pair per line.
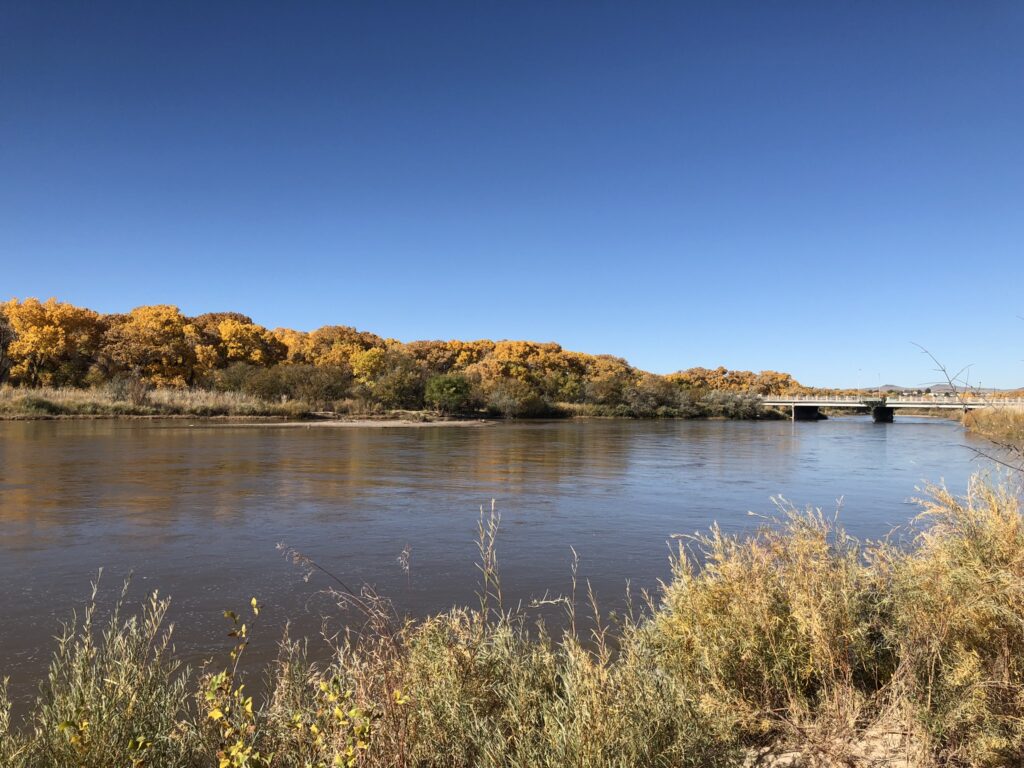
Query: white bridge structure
x,y
882,407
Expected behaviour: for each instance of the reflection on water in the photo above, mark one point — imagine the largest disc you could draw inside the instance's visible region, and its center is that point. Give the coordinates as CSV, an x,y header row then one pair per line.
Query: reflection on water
x,y
197,510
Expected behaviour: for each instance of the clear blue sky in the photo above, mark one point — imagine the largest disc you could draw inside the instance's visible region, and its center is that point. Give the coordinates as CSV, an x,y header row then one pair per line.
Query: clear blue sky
x,y
807,187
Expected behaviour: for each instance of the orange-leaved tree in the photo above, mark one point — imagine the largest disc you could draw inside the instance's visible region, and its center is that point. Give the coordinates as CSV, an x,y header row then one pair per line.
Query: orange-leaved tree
x,y
52,342
156,343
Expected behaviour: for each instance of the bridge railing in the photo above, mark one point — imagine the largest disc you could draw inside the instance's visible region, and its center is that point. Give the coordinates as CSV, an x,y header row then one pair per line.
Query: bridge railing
x,y
954,400
935,398
815,398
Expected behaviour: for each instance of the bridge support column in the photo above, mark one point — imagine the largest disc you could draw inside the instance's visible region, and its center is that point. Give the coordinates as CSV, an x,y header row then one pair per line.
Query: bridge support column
x,y
806,413
882,415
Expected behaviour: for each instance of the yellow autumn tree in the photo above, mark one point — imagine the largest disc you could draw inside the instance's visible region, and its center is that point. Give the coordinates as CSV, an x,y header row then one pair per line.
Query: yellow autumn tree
x,y
296,345
776,383
608,378
250,343
390,377
334,345
435,356
53,342
156,343
58,343
722,379
222,338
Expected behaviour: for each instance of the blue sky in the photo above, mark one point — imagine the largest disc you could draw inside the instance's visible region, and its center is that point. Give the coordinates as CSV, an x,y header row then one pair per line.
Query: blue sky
x,y
807,187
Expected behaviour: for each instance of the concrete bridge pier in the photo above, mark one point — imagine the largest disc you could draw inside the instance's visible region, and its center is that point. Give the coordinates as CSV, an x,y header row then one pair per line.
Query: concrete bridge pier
x,y
806,413
882,415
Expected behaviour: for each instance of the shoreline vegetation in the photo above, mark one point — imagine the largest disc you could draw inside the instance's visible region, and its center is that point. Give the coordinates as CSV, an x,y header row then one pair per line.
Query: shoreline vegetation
x,y
795,646
60,359
1004,427
111,401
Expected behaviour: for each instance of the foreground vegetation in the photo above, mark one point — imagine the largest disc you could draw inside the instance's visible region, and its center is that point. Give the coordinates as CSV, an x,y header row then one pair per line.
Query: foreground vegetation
x,y
122,357
798,641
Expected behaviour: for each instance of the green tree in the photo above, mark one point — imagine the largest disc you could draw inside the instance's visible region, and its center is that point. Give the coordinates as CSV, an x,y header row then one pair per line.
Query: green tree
x,y
449,393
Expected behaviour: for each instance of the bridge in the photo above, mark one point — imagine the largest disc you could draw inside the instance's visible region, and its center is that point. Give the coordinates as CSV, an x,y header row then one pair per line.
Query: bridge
x,y
882,408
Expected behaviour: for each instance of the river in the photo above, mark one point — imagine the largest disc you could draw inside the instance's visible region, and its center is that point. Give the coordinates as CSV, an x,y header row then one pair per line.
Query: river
x,y
197,510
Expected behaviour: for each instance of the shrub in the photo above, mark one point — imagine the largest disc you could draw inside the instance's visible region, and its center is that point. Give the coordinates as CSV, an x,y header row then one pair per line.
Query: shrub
x,y
233,378
959,625
390,377
449,393
113,697
733,405
652,395
778,630
130,389
512,398
317,385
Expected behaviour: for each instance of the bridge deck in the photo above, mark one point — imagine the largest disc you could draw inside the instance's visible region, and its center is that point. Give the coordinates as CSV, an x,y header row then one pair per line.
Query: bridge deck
x,y
853,401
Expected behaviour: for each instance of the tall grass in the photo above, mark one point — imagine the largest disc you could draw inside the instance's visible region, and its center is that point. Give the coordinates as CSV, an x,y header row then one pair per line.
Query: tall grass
x,y
113,400
797,643
1001,424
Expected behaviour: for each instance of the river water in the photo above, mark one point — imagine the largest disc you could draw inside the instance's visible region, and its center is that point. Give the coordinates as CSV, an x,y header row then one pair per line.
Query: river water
x,y
197,510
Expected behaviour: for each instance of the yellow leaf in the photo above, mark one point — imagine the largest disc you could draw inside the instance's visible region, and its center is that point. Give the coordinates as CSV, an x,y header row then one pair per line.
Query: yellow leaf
x,y
216,714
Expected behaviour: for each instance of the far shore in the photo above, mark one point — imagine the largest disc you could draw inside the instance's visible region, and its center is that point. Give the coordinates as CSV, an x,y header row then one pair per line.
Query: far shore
x,y
260,421
341,423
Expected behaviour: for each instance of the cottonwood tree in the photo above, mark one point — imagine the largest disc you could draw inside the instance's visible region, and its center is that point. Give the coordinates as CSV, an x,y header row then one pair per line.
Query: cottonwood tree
x,y
53,343
336,344
155,342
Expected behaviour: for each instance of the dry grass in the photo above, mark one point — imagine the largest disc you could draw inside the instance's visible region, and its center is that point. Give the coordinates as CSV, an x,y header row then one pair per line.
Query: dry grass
x,y
1003,425
780,632
795,646
112,400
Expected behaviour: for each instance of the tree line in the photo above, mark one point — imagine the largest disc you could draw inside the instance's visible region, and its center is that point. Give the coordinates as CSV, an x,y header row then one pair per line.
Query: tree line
x,y
338,367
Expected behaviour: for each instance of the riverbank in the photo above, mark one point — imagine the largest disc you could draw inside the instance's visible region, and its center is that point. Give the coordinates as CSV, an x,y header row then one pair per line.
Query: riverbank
x,y
798,644
107,402
128,401
110,401
1004,426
